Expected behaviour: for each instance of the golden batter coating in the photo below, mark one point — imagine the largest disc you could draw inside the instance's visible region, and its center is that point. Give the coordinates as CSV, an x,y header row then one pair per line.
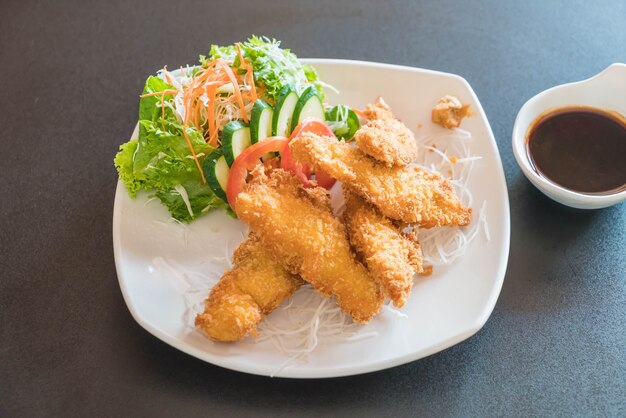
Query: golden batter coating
x,y
390,256
298,227
406,194
253,288
385,138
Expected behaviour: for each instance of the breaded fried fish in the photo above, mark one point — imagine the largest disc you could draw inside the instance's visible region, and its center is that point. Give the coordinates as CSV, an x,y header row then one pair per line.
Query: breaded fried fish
x,y
299,229
392,257
253,288
385,138
406,194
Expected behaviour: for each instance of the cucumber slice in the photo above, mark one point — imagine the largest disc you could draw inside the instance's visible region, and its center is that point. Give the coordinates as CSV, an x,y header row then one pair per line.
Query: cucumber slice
x,y
226,89
216,173
283,112
235,139
309,105
260,121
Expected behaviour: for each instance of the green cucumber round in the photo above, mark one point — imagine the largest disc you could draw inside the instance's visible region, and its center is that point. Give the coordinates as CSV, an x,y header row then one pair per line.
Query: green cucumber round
x,y
235,139
283,112
261,121
216,171
309,105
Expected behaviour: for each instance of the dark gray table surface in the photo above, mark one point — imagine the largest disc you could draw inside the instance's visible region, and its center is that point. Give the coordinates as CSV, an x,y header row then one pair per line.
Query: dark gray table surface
x,y
71,74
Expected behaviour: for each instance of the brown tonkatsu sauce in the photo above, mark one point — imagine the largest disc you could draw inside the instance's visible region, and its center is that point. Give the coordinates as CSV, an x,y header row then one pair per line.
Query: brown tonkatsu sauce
x,y
580,148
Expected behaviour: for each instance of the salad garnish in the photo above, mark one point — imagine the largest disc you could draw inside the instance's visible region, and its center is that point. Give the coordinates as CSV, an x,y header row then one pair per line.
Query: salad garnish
x,y
195,122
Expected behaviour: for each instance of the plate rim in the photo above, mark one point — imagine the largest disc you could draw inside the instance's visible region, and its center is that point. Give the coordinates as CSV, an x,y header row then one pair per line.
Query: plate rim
x,y
340,371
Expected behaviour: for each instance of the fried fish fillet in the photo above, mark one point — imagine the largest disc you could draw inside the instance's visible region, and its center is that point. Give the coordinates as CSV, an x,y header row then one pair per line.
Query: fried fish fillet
x,y
406,194
299,229
392,257
253,288
385,138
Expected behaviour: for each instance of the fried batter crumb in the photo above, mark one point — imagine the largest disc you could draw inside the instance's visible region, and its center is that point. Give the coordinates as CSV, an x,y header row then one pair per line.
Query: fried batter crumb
x,y
426,271
449,111
378,110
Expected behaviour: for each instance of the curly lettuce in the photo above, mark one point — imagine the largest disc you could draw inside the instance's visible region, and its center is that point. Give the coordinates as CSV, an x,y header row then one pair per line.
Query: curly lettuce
x,y
160,161
274,67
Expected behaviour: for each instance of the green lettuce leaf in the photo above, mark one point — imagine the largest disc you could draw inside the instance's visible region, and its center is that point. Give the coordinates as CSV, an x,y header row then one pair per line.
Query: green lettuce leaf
x,y
274,67
163,162
160,160
163,156
150,107
201,199
124,165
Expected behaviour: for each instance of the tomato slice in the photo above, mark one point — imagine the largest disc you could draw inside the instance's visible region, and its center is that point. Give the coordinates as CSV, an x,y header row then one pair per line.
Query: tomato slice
x,y
272,163
303,171
246,161
324,180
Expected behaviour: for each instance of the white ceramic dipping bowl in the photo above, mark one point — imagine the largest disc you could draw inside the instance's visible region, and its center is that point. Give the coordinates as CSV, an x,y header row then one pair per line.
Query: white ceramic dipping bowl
x,y
606,91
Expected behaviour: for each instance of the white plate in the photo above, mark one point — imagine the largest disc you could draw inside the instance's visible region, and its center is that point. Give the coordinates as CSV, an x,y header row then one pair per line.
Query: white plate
x,y
443,309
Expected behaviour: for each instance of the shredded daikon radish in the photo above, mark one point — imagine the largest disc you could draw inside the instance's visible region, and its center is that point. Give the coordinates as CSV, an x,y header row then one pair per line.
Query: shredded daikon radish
x,y
183,194
388,308
449,154
328,86
300,325
307,321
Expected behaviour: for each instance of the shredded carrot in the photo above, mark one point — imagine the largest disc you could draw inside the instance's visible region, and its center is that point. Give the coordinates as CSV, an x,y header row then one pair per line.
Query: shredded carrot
x,y
233,79
249,74
195,104
167,75
205,74
193,152
211,90
241,61
162,111
206,82
195,157
196,112
360,113
160,93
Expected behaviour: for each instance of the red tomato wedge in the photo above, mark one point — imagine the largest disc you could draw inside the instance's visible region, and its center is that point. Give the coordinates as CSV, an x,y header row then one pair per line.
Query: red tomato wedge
x,y
246,161
324,180
303,171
